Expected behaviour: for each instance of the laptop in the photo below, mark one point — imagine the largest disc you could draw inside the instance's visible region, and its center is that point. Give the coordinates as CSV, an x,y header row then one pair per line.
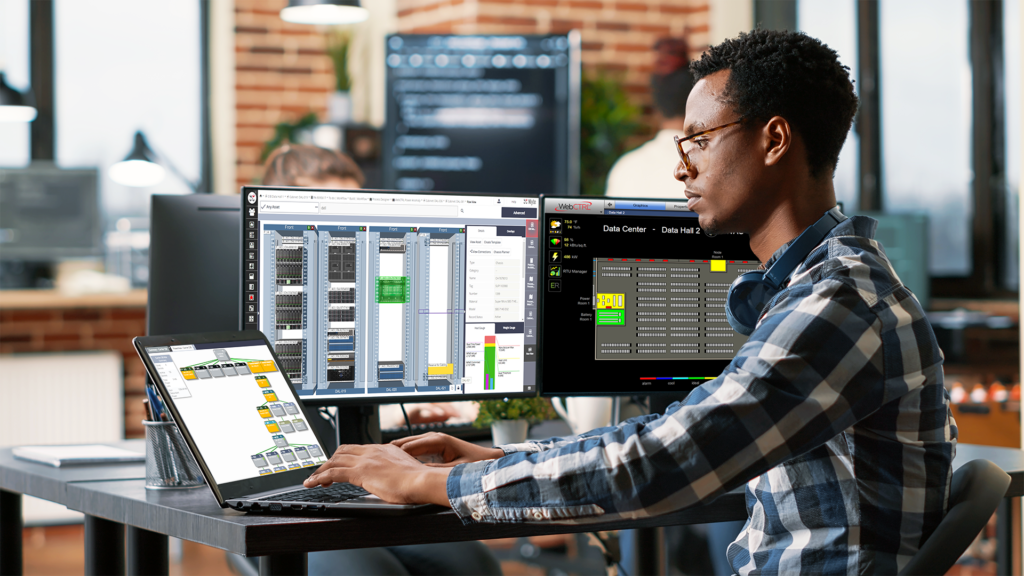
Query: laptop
x,y
246,427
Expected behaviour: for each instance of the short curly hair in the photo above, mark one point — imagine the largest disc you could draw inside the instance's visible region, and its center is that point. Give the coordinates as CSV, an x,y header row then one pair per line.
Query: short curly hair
x,y
788,74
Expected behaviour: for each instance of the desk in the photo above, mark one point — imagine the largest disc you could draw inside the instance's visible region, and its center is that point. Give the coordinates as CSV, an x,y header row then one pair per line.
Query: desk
x,y
284,541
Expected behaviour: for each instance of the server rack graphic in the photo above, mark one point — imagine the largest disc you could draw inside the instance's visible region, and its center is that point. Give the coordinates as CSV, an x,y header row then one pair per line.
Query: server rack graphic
x,y
342,295
440,308
291,267
664,309
392,267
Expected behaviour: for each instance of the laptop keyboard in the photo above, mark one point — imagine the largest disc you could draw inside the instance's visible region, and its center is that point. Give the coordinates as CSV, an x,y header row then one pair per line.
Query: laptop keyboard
x,y
330,494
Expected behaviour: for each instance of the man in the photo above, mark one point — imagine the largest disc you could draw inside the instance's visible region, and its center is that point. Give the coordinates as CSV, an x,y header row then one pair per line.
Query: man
x,y
641,173
833,413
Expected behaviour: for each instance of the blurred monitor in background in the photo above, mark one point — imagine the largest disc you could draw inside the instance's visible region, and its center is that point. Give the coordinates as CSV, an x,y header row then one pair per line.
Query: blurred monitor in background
x,y
49,214
647,171
482,114
905,240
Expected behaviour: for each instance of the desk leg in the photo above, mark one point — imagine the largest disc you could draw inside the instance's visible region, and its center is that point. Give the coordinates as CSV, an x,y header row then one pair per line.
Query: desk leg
x,y
104,547
283,565
650,552
1004,536
147,553
10,533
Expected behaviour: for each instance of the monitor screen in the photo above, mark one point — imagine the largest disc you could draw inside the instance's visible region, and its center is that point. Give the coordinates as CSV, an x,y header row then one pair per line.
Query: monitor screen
x,y
495,114
634,297
381,296
49,213
237,386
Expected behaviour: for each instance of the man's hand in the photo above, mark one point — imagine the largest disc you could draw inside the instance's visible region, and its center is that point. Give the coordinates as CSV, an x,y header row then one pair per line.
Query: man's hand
x,y
385,471
452,450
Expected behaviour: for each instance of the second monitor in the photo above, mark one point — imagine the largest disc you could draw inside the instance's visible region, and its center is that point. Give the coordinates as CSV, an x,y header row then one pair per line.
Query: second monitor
x,y
634,297
384,296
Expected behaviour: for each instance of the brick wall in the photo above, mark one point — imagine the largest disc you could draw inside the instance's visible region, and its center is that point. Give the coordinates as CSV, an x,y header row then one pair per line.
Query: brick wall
x,y
80,329
616,35
281,73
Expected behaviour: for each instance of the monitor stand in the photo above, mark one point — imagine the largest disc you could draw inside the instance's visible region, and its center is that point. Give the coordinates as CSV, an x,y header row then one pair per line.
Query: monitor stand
x,y
358,424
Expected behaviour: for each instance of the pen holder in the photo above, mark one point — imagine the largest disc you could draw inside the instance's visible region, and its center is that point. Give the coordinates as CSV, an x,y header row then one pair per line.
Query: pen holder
x,y
169,464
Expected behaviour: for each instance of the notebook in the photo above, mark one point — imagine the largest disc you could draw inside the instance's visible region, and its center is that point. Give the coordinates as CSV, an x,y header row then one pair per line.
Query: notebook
x,y
78,454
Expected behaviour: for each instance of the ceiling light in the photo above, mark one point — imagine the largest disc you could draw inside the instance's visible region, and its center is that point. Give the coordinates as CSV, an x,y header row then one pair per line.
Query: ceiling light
x,y
324,12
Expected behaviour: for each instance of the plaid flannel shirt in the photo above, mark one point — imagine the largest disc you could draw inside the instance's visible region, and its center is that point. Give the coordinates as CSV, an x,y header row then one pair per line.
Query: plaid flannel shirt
x,y
833,414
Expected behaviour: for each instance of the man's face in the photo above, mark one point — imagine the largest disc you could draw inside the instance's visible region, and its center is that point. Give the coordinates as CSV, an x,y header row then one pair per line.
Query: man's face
x,y
726,166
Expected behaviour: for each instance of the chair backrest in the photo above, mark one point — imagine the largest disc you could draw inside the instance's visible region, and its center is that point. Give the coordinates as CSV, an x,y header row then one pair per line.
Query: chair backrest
x,y
976,490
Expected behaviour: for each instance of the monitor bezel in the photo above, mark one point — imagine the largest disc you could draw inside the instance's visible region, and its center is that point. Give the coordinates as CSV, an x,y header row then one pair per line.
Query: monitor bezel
x,y
237,488
354,399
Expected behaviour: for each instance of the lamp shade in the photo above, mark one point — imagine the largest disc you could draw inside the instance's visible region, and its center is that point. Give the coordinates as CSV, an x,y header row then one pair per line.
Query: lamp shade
x,y
324,12
139,168
14,106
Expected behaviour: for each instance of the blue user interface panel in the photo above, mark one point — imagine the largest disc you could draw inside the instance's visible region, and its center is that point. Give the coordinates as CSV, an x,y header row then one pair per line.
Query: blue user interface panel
x,y
394,296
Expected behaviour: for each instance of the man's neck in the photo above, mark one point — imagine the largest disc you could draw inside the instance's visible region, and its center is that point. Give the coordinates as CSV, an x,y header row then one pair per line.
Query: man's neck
x,y
790,217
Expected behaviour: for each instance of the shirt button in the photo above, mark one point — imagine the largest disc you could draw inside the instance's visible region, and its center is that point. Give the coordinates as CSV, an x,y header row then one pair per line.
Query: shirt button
x,y
538,515
476,515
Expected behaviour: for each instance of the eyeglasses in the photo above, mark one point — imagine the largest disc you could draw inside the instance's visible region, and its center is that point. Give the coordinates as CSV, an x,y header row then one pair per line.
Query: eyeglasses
x,y
684,155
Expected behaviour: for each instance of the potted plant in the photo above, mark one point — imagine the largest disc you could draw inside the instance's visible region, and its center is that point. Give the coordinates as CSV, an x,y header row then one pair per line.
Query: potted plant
x,y
510,418
607,120
339,104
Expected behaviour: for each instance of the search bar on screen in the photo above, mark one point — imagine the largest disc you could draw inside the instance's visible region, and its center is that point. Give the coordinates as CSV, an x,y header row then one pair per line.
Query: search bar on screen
x,y
383,209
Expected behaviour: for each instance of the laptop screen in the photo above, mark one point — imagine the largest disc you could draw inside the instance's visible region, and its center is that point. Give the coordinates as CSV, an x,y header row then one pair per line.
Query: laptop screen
x,y
238,408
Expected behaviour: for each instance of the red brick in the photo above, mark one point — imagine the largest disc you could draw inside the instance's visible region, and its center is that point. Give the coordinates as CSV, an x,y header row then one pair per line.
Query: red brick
x,y
6,338
34,315
509,20
82,314
631,6
675,9
54,338
591,4
632,48
591,45
618,26
128,314
250,30
655,28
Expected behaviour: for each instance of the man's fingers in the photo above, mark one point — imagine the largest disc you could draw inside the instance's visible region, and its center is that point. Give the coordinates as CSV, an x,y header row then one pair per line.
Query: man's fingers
x,y
327,477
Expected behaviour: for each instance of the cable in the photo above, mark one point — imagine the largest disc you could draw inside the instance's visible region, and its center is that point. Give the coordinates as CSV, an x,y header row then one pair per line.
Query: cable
x,y
406,416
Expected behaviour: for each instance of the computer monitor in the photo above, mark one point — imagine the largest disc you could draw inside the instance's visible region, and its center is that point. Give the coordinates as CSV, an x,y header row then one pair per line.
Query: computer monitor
x,y
49,213
381,296
634,297
495,114
194,264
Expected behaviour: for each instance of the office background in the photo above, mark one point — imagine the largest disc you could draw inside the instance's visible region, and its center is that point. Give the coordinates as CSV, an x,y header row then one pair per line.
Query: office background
x,y
208,82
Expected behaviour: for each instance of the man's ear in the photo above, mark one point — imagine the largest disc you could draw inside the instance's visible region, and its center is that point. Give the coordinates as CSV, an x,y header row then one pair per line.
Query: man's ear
x,y
778,138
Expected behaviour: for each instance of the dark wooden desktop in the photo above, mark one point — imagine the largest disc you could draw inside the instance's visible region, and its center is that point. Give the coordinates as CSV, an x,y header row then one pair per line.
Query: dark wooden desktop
x,y
113,497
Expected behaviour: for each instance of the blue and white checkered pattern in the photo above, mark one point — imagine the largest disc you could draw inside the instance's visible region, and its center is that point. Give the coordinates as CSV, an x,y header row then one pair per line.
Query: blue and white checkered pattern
x,y
833,414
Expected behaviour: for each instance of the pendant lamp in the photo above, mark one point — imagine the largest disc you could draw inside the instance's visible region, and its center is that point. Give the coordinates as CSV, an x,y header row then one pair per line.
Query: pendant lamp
x,y
324,12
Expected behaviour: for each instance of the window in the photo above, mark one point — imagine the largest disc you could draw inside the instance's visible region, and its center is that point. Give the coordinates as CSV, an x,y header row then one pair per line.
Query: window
x,y
834,22
926,123
14,137
1011,55
122,66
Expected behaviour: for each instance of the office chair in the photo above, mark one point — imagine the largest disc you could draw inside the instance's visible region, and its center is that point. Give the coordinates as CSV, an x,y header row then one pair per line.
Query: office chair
x,y
975,491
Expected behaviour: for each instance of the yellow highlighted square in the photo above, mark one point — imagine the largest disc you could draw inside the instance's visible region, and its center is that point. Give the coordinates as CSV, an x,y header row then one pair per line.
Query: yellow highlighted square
x,y
272,426
264,412
613,301
262,366
263,382
718,265
441,370
188,374
269,396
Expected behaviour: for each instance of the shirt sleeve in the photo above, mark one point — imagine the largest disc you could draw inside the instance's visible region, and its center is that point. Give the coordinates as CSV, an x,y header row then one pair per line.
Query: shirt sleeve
x,y
797,382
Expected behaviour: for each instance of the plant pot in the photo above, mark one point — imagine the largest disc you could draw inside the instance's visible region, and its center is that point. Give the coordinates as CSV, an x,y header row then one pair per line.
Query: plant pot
x,y
339,108
508,432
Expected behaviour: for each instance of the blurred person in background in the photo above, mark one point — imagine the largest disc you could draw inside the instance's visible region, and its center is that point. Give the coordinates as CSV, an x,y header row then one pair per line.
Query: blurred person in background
x,y
641,173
